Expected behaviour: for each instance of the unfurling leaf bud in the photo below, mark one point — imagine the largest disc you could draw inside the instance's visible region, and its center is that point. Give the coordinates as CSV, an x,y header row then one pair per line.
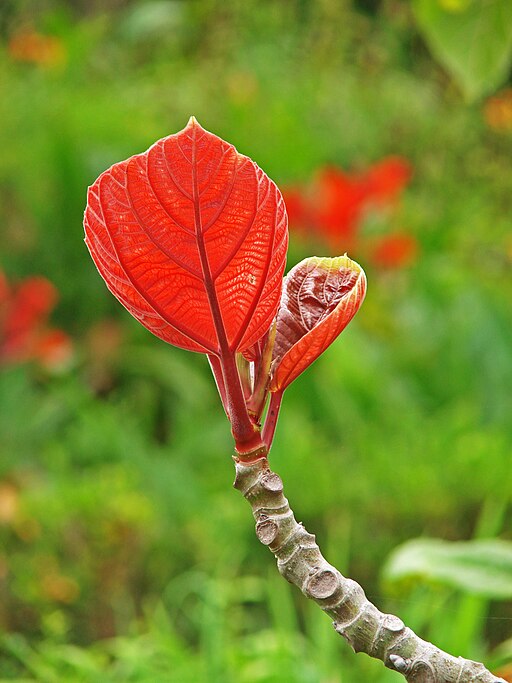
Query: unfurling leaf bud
x,y
320,297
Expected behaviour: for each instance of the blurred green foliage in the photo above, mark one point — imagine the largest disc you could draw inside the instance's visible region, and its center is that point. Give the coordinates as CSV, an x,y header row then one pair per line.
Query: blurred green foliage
x,y
124,553
472,38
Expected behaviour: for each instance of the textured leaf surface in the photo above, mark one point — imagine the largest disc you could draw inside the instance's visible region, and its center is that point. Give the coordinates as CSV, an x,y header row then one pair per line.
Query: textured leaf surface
x,y
481,567
320,297
473,41
191,237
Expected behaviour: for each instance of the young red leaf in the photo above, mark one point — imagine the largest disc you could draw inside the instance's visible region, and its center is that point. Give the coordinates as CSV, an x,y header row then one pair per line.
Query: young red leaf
x,y
191,238
320,297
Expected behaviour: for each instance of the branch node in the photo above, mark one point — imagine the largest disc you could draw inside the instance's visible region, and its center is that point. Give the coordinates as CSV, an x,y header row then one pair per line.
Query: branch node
x,y
322,585
352,602
298,551
272,482
248,473
266,531
422,672
393,623
399,663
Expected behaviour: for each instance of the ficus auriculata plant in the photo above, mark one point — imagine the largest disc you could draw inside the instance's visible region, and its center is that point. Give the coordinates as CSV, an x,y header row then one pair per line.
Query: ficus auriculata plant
x,y
191,237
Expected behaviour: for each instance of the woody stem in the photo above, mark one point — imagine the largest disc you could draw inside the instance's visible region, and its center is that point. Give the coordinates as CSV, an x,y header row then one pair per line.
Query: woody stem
x,y
364,627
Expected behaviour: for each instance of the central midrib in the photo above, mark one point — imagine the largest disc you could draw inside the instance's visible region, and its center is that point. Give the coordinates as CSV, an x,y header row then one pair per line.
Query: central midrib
x,y
209,286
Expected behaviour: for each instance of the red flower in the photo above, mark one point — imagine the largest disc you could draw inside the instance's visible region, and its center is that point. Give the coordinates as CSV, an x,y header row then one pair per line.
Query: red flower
x,y
338,204
4,288
297,207
331,207
395,251
335,204
23,333
385,180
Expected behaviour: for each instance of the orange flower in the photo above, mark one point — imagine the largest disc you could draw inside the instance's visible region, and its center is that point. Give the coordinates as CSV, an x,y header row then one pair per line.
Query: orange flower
x,y
53,349
59,588
36,48
23,332
505,673
9,502
498,111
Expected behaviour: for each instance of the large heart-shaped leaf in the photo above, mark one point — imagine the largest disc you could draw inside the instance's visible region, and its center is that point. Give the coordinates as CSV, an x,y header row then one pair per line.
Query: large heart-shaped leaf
x,y
479,567
191,237
473,41
320,297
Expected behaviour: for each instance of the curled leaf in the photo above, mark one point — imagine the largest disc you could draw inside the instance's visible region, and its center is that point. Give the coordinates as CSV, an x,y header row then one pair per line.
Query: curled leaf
x,y
191,238
320,297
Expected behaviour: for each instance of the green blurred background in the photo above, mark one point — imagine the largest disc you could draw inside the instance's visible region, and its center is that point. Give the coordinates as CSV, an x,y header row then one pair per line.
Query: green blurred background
x,y
125,555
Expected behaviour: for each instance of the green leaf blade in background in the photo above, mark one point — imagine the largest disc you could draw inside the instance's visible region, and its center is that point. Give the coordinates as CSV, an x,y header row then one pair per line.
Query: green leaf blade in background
x,y
459,38
480,567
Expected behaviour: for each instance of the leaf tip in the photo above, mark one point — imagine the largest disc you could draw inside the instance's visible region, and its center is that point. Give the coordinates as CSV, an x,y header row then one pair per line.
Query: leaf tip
x,y
192,123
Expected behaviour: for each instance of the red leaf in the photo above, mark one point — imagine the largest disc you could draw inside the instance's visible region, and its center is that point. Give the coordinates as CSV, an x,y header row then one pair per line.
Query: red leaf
x,y
320,297
191,237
